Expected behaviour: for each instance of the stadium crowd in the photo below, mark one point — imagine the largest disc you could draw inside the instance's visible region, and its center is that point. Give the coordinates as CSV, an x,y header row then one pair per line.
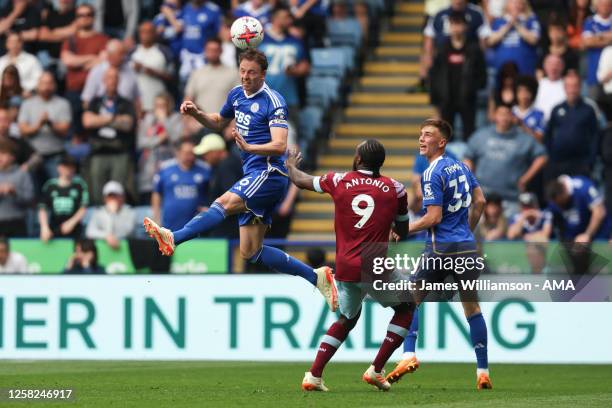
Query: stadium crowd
x,y
528,85
88,107
88,111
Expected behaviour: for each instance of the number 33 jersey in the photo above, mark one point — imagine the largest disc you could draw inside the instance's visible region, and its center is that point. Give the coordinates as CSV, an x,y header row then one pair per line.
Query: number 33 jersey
x,y
366,208
449,183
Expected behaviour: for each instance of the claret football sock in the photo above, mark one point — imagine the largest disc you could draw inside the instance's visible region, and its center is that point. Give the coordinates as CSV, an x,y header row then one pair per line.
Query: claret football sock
x,y
281,262
411,338
204,221
478,334
396,331
332,340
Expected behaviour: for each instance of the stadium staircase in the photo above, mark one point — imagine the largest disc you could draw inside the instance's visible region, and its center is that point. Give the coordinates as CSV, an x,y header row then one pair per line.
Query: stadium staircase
x,y
379,107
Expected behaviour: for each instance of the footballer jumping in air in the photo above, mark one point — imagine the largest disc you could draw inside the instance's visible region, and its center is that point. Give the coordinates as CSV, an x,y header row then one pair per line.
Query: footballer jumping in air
x,y
366,206
449,190
261,134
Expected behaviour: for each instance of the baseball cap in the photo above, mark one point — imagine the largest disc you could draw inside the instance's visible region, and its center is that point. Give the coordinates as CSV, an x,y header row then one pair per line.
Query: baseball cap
x,y
528,200
209,143
112,187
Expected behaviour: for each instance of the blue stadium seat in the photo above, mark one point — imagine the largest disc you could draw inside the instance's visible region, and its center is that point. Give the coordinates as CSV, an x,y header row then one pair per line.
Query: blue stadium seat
x,y
141,212
328,62
322,91
311,118
345,32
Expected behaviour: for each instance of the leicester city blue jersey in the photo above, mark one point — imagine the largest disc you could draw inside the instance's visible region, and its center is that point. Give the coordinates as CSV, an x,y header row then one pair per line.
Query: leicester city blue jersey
x,y
513,48
576,217
595,25
255,114
199,25
182,191
283,52
533,118
246,9
448,183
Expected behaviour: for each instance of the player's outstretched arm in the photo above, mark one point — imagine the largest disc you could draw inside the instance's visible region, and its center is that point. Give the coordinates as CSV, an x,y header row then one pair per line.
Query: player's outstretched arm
x,y
478,205
210,120
432,217
298,177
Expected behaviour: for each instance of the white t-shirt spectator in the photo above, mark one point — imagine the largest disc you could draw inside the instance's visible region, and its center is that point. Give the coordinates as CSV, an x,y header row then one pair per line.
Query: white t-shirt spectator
x,y
550,94
158,59
604,68
28,67
16,263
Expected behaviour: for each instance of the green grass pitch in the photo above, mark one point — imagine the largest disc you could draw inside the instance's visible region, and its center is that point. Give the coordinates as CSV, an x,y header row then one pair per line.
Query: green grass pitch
x,y
229,384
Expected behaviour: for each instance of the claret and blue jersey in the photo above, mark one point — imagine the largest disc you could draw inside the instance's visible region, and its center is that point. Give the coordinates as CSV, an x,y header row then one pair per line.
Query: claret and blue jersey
x,y
449,183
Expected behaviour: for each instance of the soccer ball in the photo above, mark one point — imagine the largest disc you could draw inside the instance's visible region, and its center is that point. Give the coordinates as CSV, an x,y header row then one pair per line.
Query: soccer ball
x,y
247,32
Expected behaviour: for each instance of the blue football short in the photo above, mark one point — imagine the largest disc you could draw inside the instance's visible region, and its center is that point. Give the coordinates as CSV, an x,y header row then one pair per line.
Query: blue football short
x,y
262,191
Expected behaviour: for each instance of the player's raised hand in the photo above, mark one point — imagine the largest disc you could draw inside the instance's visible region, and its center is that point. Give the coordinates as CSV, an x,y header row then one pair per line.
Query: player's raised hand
x,y
240,142
294,157
188,108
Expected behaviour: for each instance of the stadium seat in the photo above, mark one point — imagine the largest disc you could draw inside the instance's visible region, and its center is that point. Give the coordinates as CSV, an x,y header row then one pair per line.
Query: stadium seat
x,y
328,62
322,91
310,122
345,32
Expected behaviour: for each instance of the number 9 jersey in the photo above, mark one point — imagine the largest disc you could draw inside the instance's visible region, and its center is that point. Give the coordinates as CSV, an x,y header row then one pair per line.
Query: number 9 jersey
x,y
366,207
449,183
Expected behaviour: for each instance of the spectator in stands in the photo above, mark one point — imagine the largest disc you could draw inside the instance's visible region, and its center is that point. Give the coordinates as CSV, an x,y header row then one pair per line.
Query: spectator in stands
x,y
515,36
226,169
229,51
458,72
533,226
25,157
504,90
153,65
572,134
578,210
27,64
110,120
119,19
493,225
361,13
436,32
113,221
597,34
551,90
158,131
311,16
292,63
547,12
579,11
58,25
180,189
16,193
558,46
84,260
493,9
63,203
11,92
209,85
606,154
604,77
11,261
79,54
201,21
527,116
23,17
504,158
128,83
259,9
44,120
169,27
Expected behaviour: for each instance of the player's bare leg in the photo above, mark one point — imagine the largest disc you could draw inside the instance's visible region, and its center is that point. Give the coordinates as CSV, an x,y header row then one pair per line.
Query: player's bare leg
x,y
478,334
332,340
253,250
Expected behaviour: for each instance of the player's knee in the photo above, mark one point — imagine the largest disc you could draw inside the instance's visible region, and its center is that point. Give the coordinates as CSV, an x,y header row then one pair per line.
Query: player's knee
x,y
250,254
348,324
